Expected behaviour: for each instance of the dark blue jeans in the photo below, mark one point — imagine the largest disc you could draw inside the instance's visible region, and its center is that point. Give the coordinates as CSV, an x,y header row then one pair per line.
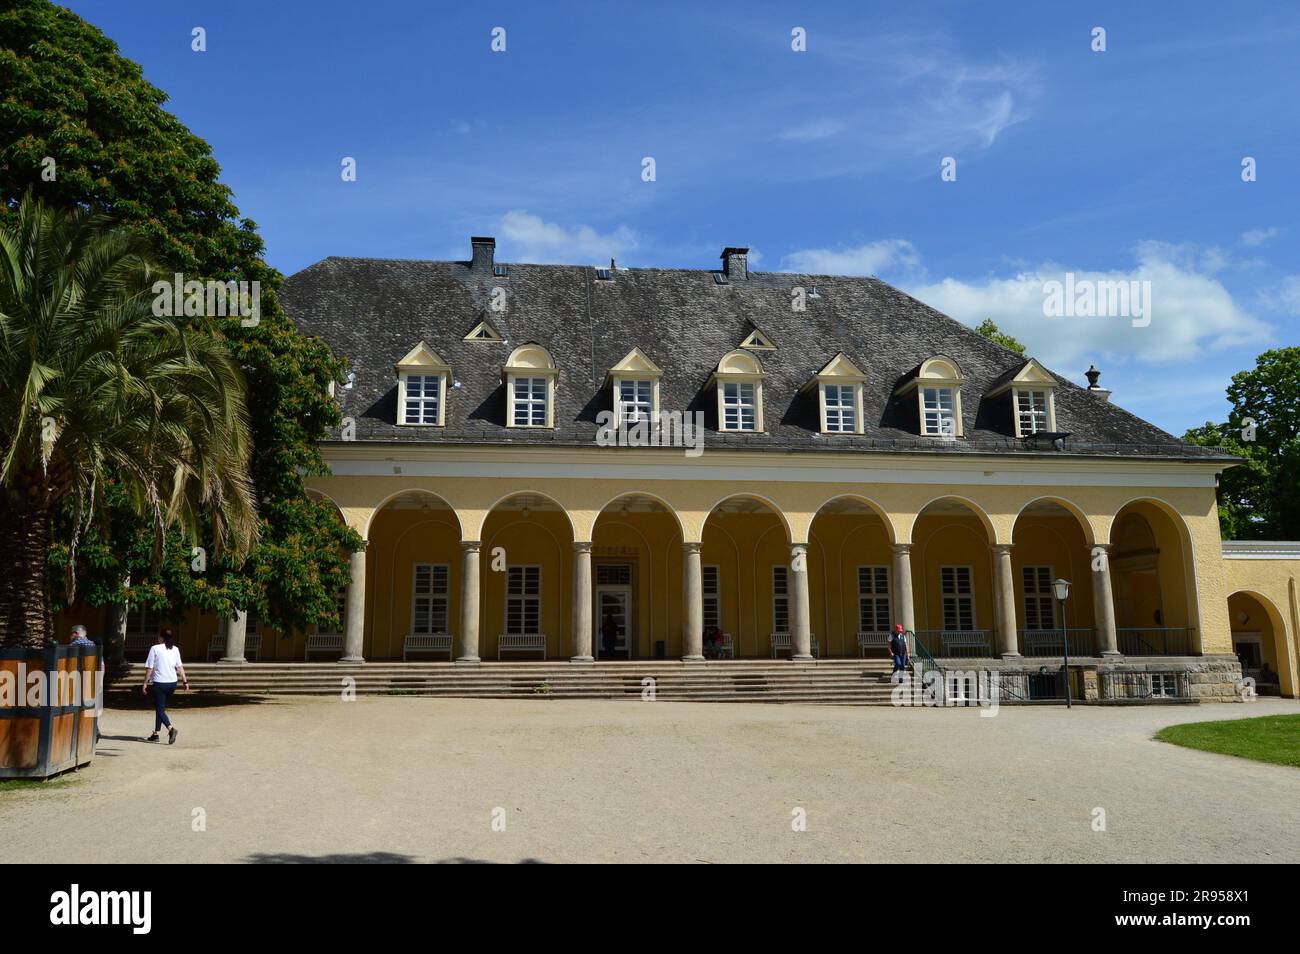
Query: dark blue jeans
x,y
900,663
162,691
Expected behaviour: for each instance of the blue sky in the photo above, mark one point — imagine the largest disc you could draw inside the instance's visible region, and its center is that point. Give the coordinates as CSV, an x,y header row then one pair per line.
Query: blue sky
x,y
1116,165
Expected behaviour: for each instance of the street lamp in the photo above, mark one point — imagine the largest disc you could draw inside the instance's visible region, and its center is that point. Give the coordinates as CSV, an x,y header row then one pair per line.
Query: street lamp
x,y
1062,588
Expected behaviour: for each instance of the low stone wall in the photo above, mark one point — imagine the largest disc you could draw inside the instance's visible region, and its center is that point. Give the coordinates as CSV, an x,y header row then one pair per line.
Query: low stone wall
x,y
1211,678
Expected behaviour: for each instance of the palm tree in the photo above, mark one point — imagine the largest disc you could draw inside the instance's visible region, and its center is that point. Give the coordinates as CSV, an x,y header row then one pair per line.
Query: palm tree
x,y
94,387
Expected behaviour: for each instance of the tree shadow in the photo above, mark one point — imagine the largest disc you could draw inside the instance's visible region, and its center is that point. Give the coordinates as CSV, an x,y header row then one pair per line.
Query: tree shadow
x,y
193,699
364,858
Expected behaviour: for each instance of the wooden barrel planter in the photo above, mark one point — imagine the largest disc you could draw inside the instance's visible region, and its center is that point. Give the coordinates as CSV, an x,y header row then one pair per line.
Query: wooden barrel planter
x,y
48,729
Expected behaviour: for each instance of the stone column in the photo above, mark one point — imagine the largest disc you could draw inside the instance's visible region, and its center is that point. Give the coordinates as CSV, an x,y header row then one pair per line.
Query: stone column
x,y
1005,590
693,603
354,627
469,598
235,632
1103,601
904,604
800,619
581,602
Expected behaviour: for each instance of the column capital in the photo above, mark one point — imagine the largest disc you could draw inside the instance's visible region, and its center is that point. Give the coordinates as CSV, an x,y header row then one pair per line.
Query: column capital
x,y
1000,548
901,547
1107,547
581,546
796,547
692,546
471,546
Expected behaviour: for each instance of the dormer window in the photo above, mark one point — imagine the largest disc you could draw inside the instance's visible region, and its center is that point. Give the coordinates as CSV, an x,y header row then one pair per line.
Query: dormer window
x,y
422,379
739,380
1032,389
635,384
530,387
937,383
839,392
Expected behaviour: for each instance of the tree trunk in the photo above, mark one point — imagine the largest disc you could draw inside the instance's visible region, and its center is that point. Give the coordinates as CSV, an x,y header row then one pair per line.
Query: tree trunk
x,y
26,531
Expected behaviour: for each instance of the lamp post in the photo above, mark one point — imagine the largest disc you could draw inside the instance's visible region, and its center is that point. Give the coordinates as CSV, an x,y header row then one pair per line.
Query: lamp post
x,y
1062,589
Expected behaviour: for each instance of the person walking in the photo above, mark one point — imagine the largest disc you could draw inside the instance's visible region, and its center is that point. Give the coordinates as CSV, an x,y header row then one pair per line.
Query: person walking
x,y
161,670
898,648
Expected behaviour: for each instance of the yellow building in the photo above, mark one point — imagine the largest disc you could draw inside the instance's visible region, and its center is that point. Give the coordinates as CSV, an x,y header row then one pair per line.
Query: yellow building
x,y
564,462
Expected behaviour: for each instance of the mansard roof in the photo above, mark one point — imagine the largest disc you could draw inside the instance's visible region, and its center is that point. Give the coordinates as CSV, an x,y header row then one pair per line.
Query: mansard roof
x,y
374,311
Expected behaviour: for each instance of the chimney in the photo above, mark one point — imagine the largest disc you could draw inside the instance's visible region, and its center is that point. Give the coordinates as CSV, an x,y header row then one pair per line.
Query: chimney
x,y
484,248
1100,393
735,263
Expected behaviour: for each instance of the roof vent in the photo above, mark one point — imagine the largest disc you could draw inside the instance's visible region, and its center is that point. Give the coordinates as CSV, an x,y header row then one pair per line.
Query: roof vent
x,y
484,248
1100,393
604,275
735,262
720,278
500,271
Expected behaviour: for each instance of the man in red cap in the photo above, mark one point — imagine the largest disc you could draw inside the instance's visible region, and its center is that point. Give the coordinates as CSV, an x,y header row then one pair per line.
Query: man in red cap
x,y
898,648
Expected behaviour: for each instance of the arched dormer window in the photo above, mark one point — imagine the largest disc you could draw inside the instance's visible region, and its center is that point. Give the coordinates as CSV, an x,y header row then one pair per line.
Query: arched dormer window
x,y
530,375
422,379
839,396
739,380
937,383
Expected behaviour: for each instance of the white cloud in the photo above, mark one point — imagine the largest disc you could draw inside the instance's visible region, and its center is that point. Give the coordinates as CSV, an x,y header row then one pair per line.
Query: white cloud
x,y
531,239
870,259
1284,297
1254,237
1191,312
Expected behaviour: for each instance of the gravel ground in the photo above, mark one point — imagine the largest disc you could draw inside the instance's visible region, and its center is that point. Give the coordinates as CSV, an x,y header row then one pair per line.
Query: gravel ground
x,y
420,780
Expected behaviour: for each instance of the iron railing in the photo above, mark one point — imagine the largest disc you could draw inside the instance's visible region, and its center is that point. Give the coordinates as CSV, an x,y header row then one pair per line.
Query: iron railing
x,y
1156,641
1151,684
1051,642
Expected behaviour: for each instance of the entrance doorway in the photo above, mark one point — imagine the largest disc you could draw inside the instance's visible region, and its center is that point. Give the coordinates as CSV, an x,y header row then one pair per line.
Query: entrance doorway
x,y
613,601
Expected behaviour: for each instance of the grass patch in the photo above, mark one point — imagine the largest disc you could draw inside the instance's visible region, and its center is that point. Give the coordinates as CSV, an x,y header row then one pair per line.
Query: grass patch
x,y
19,784
1273,739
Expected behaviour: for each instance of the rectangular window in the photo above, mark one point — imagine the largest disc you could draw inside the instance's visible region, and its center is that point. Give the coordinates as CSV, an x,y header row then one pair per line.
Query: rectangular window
x,y
873,599
1031,411
958,598
140,619
523,600
712,598
780,599
841,408
423,392
1040,607
636,400
1164,685
530,402
429,599
938,414
739,408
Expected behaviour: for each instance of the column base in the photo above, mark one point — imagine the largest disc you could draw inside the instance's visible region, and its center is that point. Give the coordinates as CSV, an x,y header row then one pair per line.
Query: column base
x,y
692,659
1012,656
803,657
1113,653
352,660
232,660
582,660
467,660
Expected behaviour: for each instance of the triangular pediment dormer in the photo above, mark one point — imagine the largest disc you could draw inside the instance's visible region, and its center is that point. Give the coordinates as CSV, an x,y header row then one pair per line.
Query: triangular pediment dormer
x,y
424,359
636,364
484,331
1031,374
756,340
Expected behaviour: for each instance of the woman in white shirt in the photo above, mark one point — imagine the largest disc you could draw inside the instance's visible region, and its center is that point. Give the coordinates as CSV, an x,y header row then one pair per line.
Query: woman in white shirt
x,y
161,669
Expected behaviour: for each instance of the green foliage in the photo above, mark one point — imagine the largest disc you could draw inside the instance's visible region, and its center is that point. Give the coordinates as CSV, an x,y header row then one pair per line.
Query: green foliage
x,y
1260,498
97,391
69,95
989,330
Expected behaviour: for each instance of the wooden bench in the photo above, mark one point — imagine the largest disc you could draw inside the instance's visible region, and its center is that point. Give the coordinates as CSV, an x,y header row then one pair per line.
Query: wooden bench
x,y
426,643
878,640
521,643
139,642
781,644
726,647
252,645
323,643
964,640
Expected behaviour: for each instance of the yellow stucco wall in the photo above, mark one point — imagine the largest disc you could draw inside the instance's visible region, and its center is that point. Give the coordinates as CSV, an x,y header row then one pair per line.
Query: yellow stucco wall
x,y
1267,594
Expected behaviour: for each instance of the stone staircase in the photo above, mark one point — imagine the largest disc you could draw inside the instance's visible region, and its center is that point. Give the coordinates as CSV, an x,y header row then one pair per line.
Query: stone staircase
x,y
831,682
